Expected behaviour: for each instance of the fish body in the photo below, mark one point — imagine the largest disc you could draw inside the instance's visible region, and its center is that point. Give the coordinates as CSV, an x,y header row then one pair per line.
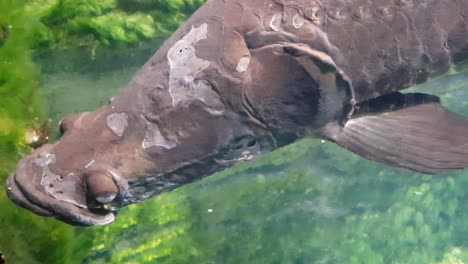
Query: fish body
x,y
241,78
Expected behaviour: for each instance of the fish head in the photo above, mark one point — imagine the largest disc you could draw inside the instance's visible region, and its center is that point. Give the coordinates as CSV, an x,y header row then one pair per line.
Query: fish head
x,y
129,151
80,179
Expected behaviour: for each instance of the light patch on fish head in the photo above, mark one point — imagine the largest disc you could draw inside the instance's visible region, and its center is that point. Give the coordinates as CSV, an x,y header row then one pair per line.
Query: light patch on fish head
x,y
276,21
182,57
117,122
91,162
298,21
243,64
56,185
315,14
185,65
154,137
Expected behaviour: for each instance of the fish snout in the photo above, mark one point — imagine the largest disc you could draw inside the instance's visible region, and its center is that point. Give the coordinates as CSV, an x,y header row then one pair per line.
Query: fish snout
x,y
15,194
77,198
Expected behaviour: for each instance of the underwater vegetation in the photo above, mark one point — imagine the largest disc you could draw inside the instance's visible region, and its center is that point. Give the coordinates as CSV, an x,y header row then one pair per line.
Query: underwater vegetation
x,y
68,23
294,205
94,36
19,105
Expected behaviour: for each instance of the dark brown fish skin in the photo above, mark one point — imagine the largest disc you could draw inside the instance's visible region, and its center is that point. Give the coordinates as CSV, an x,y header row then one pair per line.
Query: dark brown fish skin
x,y
238,79
391,45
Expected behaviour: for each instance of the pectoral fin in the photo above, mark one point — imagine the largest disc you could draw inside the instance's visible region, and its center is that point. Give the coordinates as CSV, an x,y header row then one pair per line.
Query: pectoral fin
x,y
412,131
336,94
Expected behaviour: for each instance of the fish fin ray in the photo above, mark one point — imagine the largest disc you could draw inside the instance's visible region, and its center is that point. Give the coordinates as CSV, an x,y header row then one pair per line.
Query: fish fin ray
x,y
411,131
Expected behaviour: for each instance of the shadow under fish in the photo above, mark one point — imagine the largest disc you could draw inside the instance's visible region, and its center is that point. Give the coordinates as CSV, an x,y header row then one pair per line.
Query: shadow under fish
x,y
241,78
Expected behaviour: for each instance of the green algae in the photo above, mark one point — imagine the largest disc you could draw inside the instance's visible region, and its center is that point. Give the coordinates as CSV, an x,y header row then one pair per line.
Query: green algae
x,y
71,23
26,238
19,101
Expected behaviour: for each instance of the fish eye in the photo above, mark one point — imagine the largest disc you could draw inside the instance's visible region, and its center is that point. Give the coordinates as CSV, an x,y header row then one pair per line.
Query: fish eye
x,y
251,143
244,142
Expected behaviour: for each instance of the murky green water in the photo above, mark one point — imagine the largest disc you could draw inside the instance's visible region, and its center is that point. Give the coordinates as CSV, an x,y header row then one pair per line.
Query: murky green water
x,y
310,202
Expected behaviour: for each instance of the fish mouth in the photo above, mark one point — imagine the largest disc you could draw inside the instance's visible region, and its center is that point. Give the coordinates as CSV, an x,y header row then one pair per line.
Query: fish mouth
x,y
24,188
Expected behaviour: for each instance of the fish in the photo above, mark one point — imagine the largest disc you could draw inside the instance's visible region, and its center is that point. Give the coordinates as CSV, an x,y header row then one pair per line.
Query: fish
x,y
241,78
